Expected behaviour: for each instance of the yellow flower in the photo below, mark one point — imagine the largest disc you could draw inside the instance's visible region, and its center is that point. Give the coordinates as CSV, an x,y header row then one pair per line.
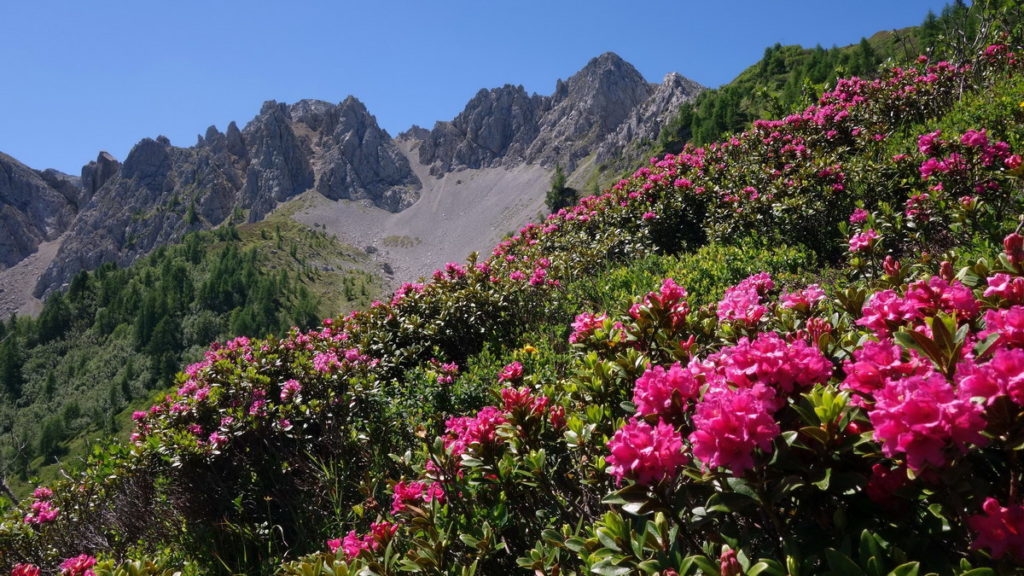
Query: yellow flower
x,y
528,349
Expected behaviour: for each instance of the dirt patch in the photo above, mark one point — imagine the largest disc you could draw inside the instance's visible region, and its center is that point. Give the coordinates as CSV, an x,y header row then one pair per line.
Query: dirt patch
x,y
459,213
18,281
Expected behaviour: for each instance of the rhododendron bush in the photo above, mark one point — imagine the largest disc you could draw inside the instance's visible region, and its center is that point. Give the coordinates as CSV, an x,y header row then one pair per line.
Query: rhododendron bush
x,y
864,415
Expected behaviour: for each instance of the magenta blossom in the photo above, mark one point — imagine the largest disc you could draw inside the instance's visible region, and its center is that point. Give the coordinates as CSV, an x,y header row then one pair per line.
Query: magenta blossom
x,y
863,241
644,453
1000,529
729,424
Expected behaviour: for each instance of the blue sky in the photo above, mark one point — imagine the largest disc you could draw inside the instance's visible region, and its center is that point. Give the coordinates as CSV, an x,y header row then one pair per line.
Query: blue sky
x,y
80,77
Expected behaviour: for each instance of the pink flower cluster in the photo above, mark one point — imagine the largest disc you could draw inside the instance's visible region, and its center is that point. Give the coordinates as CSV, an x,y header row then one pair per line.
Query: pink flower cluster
x,y
886,311
665,393
25,570
511,373
1006,287
78,566
414,493
647,454
999,529
585,325
921,416
43,511
875,364
729,424
464,431
522,402
803,300
771,361
743,302
669,301
353,544
290,390
863,241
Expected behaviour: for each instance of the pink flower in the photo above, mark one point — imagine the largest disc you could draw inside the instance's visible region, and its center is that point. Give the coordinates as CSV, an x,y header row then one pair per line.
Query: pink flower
x,y
742,303
803,299
333,545
644,453
665,393
863,241
926,297
876,363
522,402
42,493
1000,529
406,493
729,424
770,361
884,312
353,545
325,362
921,416
78,566
729,563
289,389
465,431
584,326
859,215
1003,375
884,483
669,303
1009,324
974,138
25,570
1013,248
649,216
511,373
926,142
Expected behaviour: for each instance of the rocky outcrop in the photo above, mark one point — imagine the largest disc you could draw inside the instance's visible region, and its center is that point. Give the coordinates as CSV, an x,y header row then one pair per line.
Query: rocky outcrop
x,y
643,125
34,207
587,108
597,110
357,160
161,192
497,126
96,174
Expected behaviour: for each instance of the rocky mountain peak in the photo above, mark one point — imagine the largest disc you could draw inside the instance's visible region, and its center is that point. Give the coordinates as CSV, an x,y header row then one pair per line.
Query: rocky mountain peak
x,y
505,126
96,173
586,108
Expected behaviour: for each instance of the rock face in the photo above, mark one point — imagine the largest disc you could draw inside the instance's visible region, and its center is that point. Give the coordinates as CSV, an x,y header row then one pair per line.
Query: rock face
x,y
600,109
161,192
118,212
643,124
496,127
34,207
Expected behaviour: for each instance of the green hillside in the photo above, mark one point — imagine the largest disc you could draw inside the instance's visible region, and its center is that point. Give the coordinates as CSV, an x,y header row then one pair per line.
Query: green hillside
x,y
114,340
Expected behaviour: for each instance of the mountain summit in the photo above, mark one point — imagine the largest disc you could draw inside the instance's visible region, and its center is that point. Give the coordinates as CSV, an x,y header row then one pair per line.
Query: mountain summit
x,y
505,126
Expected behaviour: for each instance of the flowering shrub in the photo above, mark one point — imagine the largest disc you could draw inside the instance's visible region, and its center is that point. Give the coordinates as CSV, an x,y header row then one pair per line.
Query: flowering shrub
x,y
756,425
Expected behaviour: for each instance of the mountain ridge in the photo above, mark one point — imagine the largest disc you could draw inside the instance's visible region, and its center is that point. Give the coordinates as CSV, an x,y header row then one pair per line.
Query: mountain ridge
x,y
161,191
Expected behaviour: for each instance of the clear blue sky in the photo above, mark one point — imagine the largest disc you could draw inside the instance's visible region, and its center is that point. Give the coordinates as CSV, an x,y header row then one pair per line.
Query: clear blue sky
x,y
83,76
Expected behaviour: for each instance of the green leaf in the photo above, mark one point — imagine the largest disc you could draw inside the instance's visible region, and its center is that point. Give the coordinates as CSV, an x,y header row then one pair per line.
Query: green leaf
x,y
607,567
841,564
701,562
908,569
